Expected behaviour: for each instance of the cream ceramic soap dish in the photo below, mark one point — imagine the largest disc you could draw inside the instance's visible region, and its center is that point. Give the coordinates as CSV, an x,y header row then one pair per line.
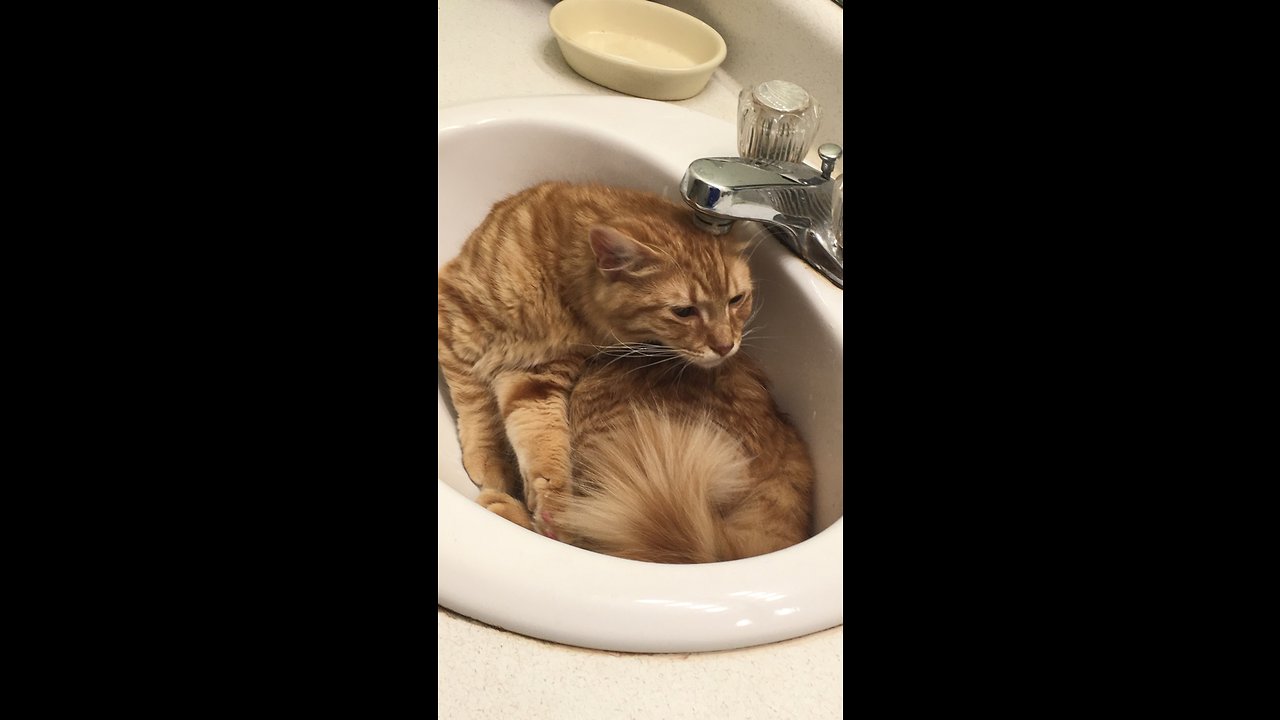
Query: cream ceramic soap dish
x,y
637,47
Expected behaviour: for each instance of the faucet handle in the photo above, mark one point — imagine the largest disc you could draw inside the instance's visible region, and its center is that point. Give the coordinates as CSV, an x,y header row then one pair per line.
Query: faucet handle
x,y
829,153
777,120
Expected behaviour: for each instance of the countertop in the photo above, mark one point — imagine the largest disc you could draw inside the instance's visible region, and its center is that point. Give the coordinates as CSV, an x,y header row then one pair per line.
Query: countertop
x,y
504,48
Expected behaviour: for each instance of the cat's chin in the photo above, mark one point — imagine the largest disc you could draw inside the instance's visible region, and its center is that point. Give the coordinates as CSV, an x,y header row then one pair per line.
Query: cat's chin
x,y
710,363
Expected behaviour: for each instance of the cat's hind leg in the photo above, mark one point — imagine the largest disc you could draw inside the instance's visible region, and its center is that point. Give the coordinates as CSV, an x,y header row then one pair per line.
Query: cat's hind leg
x,y
505,506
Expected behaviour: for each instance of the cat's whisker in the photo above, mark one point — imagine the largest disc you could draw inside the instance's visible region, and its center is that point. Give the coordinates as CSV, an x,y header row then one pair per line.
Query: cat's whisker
x,y
754,333
752,336
623,344
628,351
635,352
665,357
611,362
749,326
625,349
652,364
676,367
621,356
756,241
680,377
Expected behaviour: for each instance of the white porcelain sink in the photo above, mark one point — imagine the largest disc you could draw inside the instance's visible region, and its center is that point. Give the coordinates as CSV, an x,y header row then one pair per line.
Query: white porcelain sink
x,y
503,575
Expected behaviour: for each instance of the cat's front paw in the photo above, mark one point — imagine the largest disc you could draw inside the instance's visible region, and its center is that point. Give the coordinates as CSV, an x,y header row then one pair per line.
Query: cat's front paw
x,y
546,501
543,523
505,506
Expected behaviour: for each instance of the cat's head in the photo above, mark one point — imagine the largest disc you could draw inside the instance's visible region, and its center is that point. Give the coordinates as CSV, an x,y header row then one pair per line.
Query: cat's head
x,y
666,282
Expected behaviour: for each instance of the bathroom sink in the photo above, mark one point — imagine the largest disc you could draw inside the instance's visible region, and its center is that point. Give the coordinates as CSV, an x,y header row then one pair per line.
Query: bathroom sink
x,y
496,572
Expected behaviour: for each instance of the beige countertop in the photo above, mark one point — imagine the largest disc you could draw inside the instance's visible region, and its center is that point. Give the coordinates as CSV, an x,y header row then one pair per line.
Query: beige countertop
x,y
503,48
489,673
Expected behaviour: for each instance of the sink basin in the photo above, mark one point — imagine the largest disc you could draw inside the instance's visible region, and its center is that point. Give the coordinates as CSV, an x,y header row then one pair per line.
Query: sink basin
x,y
496,572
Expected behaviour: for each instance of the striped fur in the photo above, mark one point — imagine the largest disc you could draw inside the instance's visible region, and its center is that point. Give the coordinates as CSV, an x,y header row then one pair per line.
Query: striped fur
x,y
552,275
654,486
685,466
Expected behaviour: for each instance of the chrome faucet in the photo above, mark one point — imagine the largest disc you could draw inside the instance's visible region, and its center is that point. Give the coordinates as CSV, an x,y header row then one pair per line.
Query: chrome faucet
x,y
795,202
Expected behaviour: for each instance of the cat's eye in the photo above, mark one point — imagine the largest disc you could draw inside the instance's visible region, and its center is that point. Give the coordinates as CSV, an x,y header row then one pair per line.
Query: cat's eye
x,y
737,298
685,311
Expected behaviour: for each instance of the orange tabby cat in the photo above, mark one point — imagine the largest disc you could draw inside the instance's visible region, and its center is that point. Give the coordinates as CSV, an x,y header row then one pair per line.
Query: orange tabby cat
x,y
683,464
553,274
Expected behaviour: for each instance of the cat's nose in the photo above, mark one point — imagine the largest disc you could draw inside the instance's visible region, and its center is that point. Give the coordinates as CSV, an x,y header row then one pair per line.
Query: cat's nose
x,y
722,350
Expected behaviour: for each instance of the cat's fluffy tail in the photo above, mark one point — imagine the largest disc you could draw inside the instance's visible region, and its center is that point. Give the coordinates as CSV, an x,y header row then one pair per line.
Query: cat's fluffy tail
x,y
654,486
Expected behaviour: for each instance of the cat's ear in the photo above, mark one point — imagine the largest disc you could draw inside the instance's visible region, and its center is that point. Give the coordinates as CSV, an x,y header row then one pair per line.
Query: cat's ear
x,y
617,253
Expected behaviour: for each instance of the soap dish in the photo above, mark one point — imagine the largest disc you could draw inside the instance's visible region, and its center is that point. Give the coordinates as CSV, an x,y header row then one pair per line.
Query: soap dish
x,y
637,47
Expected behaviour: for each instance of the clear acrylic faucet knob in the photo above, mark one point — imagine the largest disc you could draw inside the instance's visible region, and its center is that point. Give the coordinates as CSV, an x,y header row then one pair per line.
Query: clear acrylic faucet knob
x,y
777,120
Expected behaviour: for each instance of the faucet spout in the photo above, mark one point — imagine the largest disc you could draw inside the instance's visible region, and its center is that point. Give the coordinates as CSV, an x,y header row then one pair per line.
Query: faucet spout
x,y
793,200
